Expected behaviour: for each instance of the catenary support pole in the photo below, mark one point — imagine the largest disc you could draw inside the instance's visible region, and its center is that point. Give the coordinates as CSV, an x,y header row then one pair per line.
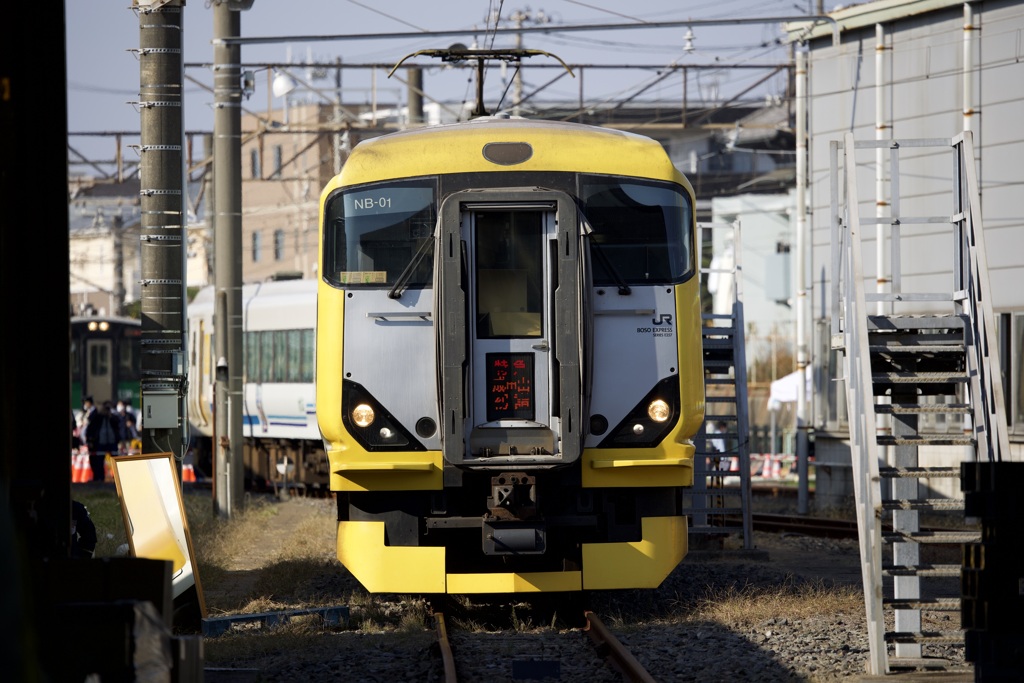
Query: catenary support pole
x,y
227,164
162,201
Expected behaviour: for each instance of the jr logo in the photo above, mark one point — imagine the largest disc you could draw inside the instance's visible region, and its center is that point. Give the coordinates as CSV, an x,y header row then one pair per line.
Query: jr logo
x,y
663,319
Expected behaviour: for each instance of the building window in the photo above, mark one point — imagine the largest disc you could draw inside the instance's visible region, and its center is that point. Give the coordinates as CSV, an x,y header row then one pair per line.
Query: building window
x,y
256,244
254,163
278,161
278,244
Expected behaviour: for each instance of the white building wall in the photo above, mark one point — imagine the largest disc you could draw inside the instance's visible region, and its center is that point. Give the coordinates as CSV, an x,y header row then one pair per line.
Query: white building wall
x,y
767,279
937,79
923,91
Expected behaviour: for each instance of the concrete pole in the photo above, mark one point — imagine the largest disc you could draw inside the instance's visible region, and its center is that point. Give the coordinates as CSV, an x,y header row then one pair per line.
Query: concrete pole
x,y
415,96
517,77
227,132
339,117
802,303
162,174
117,230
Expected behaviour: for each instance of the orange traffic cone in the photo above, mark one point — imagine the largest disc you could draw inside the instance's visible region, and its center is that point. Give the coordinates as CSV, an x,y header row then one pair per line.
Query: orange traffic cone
x,y
86,469
188,473
76,468
108,467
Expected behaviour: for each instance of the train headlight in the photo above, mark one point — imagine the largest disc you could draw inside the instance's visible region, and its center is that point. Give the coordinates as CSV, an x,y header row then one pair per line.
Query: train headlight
x,y
650,420
363,415
370,423
658,410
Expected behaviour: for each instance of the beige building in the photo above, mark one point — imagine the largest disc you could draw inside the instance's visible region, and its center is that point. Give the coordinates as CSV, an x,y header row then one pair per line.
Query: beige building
x,y
286,161
105,254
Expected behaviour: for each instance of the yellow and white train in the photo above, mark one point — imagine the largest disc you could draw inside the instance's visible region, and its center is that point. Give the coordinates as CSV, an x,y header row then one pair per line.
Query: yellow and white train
x,y
508,358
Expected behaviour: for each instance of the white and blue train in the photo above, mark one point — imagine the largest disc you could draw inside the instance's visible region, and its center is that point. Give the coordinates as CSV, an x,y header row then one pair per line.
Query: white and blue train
x,y
279,426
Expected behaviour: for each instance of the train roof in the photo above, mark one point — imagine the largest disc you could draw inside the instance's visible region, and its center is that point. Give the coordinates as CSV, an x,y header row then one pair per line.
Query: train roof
x,y
267,305
513,122
555,146
262,289
117,319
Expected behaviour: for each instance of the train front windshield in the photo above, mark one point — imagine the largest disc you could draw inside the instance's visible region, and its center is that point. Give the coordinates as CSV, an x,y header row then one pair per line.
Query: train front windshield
x,y
641,232
376,234
381,235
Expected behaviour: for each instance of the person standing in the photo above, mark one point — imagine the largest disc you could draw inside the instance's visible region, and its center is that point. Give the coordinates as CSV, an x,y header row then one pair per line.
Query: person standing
x,y
129,432
76,440
102,436
124,408
131,441
88,407
83,531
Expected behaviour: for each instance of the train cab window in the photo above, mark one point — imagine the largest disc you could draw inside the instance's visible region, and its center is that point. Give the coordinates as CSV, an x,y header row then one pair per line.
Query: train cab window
x,y
642,232
99,359
76,358
374,233
126,365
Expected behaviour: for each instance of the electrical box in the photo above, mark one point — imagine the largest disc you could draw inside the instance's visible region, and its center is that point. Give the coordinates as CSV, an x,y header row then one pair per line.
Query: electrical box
x,y
160,410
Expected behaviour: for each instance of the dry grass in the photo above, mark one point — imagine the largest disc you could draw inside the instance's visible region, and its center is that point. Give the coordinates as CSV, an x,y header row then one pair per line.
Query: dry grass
x,y
791,599
218,539
105,511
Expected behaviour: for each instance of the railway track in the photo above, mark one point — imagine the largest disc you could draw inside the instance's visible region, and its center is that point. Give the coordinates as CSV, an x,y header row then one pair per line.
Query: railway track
x,y
812,526
618,656
606,651
821,527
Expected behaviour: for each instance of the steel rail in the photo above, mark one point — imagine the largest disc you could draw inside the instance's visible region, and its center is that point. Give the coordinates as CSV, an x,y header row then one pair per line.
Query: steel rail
x,y
445,646
609,647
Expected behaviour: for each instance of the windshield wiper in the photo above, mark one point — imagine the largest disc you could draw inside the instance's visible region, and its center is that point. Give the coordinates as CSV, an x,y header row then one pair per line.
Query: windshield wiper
x,y
403,279
598,251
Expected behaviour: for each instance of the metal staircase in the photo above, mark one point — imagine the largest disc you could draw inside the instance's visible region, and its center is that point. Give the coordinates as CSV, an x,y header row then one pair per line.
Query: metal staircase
x,y
719,502
914,364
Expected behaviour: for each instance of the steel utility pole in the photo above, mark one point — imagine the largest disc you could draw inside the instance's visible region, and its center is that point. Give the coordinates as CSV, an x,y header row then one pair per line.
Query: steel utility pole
x,y
162,178
227,239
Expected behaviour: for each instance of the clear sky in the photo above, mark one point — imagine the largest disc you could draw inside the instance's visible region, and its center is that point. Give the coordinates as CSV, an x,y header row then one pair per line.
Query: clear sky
x,y
103,72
